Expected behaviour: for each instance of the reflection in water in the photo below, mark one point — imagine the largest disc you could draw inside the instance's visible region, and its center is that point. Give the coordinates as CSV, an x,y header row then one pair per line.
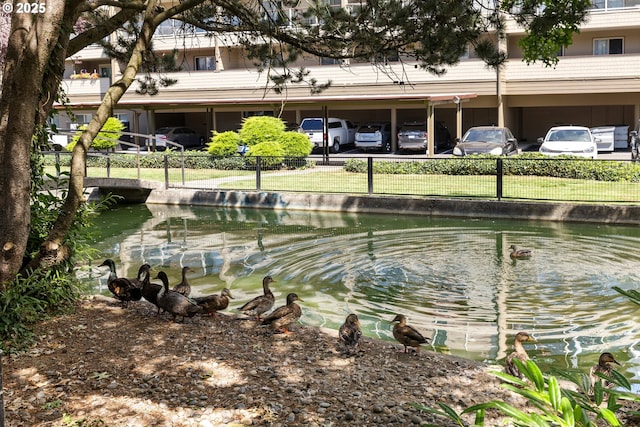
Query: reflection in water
x,y
452,278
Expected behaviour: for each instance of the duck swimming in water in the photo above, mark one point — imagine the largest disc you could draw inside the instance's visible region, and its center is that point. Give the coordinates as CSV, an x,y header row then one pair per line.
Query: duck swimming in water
x,y
604,367
122,288
350,332
282,317
518,353
174,302
407,335
260,304
212,303
517,253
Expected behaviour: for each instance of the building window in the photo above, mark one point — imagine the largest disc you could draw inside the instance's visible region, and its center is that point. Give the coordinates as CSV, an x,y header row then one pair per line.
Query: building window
x,y
612,46
207,63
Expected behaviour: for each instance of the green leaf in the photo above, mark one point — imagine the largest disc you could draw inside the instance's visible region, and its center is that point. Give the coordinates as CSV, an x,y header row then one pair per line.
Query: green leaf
x,y
554,392
567,412
609,417
620,380
510,379
535,375
479,421
451,413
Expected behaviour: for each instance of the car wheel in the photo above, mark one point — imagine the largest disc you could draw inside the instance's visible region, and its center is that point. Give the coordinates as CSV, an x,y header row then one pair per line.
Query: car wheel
x,y
634,152
335,148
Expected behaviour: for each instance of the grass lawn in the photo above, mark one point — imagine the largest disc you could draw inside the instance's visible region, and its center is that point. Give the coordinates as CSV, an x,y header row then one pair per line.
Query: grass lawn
x,y
335,180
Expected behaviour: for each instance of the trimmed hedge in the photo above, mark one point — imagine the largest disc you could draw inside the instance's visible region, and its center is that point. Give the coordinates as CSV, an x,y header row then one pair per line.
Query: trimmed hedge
x,y
525,164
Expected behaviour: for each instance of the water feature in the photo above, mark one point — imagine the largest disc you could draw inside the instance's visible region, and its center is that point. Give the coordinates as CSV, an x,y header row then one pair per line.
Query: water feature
x,y
452,278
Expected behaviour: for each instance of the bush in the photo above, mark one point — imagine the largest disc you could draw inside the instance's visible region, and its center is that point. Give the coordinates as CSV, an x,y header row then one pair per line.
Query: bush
x,y
112,130
224,144
259,129
271,155
296,144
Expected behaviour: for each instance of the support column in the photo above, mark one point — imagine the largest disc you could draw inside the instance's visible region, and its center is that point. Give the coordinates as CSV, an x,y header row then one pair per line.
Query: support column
x,y
431,136
394,129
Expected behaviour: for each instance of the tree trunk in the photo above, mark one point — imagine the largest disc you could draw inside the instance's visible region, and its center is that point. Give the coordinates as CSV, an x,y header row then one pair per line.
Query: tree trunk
x,y
31,42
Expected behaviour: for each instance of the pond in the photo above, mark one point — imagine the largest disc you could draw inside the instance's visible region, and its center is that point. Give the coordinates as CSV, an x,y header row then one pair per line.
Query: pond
x,y
452,278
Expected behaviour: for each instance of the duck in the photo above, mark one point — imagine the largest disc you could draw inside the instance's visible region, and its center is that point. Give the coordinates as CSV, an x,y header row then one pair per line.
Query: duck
x,y
174,302
604,367
518,353
212,303
139,279
517,253
407,335
150,290
350,332
260,304
184,287
282,317
122,288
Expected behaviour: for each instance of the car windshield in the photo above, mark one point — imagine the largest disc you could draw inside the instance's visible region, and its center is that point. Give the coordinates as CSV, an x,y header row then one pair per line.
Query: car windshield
x,y
483,135
414,128
569,135
312,124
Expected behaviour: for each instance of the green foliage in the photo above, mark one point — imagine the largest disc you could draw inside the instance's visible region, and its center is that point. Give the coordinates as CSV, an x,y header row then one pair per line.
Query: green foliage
x,y
271,155
554,405
296,144
28,300
259,129
526,164
106,139
224,144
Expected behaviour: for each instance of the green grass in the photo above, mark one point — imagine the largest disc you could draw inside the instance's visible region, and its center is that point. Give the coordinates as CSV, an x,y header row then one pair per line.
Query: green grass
x,y
334,180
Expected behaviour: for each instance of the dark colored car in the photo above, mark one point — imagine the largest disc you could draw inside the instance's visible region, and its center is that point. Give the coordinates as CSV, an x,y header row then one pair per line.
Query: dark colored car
x,y
498,141
184,136
413,137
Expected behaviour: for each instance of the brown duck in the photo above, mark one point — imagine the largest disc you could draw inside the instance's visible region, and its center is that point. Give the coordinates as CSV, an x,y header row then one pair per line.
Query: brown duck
x,y
184,287
282,317
407,335
604,367
350,332
123,289
260,304
517,253
518,353
174,302
212,303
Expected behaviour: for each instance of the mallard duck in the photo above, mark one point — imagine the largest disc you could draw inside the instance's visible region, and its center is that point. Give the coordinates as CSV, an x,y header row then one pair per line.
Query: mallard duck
x,y
150,290
603,367
350,332
518,353
184,287
144,269
122,288
407,335
212,303
260,304
174,302
517,253
282,317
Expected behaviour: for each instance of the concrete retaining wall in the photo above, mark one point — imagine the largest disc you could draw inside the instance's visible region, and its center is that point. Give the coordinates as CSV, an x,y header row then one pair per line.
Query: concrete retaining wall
x,y
608,214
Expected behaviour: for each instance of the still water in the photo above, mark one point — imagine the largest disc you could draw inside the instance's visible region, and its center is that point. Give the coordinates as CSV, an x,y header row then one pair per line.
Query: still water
x,y
452,278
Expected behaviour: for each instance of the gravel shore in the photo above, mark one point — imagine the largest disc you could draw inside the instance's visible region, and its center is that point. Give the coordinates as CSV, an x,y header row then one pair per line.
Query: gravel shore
x,y
107,366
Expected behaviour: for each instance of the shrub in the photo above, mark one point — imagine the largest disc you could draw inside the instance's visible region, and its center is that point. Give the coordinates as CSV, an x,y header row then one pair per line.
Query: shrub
x,y
271,155
224,144
296,144
259,129
112,130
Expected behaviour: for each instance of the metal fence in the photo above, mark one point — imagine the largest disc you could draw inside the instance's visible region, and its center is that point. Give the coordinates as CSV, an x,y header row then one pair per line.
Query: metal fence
x,y
512,178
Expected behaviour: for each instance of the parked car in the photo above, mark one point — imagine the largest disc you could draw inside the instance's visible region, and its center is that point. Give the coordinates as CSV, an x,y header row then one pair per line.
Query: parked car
x,y
374,136
495,140
341,132
413,137
184,136
569,140
634,142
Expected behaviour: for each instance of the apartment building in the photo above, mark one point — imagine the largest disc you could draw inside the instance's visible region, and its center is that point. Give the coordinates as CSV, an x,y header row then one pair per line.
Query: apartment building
x,y
595,83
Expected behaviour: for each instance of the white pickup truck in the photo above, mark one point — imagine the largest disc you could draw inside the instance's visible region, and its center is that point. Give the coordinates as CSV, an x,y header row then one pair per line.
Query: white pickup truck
x,y
341,132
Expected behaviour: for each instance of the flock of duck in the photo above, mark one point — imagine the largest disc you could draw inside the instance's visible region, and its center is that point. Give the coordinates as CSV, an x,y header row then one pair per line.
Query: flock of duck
x,y
178,302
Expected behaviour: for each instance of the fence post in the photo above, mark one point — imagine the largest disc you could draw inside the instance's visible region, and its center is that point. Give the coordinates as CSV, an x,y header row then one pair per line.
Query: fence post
x,y
258,177
370,175
166,172
108,165
57,171
499,175
182,163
